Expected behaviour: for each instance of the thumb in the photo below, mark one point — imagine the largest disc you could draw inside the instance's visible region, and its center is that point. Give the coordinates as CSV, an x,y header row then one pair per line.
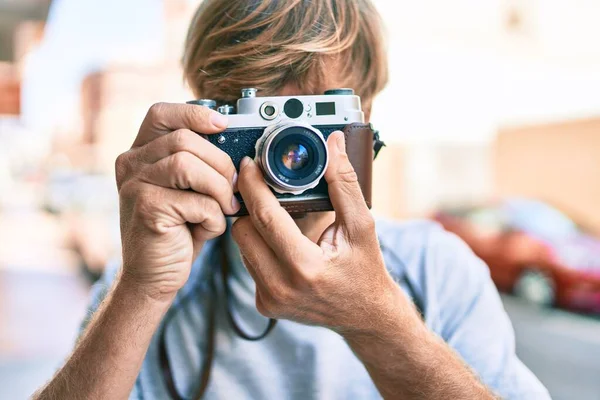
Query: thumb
x,y
344,190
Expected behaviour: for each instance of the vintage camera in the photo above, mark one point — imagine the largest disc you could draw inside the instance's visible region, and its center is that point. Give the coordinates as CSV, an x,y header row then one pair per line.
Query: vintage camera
x,y
286,136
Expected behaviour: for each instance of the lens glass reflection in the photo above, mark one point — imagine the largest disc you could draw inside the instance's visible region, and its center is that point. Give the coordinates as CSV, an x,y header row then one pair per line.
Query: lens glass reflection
x,y
295,157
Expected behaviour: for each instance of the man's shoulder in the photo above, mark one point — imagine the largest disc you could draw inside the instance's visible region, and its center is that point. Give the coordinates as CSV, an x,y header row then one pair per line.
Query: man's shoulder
x,y
415,232
417,244
437,264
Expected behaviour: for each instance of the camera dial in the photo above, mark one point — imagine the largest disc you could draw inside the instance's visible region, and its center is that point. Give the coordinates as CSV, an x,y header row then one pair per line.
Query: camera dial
x,y
340,91
225,109
292,156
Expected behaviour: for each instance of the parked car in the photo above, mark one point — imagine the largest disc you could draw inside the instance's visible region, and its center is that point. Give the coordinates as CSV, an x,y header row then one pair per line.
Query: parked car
x,y
533,250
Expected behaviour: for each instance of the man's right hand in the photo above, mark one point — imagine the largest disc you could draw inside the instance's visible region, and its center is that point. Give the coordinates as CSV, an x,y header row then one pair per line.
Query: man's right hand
x,y
175,189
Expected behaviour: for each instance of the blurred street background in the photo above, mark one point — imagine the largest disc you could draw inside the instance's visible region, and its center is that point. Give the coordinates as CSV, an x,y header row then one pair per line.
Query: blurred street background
x,y
492,120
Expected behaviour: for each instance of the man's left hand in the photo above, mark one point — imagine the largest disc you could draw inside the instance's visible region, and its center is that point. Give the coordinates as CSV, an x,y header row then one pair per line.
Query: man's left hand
x,y
339,282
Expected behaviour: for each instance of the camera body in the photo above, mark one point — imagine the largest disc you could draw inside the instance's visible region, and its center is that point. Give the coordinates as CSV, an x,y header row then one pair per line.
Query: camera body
x,y
287,135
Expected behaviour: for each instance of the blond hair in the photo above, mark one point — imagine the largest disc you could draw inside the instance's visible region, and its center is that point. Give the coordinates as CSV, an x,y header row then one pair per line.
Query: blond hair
x,y
268,44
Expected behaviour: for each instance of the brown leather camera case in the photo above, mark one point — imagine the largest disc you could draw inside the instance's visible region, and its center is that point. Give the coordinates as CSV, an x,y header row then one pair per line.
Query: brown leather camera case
x,y
359,146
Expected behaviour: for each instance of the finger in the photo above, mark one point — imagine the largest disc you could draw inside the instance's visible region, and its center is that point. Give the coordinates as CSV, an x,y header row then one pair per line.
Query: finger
x,y
344,190
183,171
259,258
178,207
163,118
273,223
203,213
186,140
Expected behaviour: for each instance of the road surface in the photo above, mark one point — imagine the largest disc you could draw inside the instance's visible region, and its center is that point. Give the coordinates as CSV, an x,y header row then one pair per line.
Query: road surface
x,y
561,348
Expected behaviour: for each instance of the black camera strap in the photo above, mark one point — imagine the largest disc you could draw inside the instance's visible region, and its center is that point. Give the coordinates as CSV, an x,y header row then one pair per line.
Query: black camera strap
x,y
209,354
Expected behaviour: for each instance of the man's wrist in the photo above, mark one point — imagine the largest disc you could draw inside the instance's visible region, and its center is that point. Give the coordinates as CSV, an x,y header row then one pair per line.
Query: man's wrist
x,y
399,351
128,287
393,315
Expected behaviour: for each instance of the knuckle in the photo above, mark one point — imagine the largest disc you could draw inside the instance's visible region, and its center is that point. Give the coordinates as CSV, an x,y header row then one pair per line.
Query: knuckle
x,y
213,225
129,191
122,167
260,307
211,207
266,306
156,110
147,202
179,161
221,226
263,216
148,208
143,205
179,171
280,294
179,140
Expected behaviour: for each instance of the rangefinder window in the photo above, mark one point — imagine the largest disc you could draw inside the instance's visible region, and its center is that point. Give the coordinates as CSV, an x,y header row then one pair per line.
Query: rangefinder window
x,y
326,108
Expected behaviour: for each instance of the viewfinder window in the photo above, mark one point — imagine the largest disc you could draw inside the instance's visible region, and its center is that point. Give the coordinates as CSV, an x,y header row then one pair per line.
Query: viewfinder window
x,y
326,108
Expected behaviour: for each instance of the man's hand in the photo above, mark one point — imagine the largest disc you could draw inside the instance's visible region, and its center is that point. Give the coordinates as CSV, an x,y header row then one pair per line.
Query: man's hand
x,y
337,282
341,283
174,188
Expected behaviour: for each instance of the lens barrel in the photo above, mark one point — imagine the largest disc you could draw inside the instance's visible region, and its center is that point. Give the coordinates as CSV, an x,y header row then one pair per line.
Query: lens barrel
x,y
293,157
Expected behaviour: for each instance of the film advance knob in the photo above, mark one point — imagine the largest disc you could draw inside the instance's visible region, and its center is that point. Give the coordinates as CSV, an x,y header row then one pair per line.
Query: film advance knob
x,y
204,102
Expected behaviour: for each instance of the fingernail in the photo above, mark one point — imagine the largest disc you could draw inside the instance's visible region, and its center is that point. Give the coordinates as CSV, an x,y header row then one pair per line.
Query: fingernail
x,y
234,180
219,120
235,204
341,142
245,161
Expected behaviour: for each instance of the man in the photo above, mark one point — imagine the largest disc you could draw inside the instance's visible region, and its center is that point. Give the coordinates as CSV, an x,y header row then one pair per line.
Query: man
x,y
343,287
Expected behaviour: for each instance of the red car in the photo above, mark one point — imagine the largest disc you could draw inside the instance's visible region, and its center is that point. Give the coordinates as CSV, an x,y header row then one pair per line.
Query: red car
x,y
533,251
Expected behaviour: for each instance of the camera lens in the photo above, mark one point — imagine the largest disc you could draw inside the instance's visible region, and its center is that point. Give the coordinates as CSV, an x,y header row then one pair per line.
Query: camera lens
x,y
293,157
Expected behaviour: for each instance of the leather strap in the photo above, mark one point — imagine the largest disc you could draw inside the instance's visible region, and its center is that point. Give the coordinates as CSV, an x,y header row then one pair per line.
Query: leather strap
x,y
206,368
240,332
